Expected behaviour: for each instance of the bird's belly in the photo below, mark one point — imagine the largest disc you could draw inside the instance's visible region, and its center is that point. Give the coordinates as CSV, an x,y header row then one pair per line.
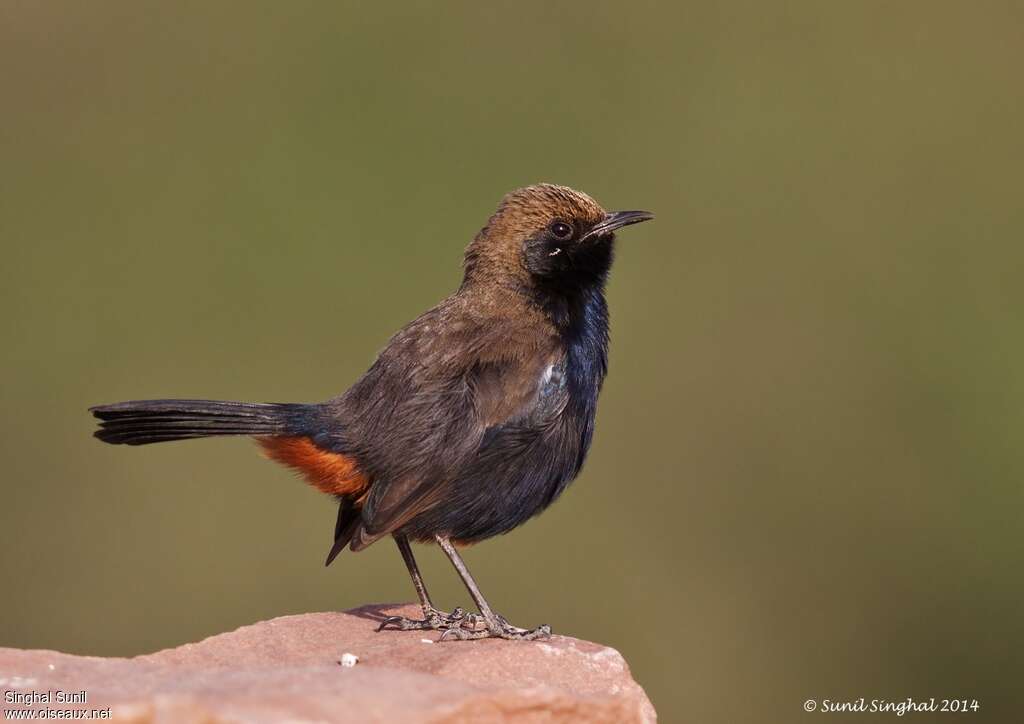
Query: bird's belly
x,y
521,468
511,480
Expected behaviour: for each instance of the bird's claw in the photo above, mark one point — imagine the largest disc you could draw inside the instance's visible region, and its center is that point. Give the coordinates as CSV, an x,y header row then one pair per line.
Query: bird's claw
x,y
501,629
460,625
433,620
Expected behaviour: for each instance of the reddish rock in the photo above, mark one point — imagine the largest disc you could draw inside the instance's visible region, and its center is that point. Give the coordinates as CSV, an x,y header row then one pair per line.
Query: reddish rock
x,y
288,669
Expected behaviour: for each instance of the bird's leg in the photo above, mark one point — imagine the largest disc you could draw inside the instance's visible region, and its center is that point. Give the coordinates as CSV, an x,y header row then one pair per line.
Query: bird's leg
x,y
495,625
432,617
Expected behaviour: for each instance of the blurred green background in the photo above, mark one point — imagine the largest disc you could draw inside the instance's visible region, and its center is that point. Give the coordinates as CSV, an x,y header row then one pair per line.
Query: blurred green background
x,y
806,477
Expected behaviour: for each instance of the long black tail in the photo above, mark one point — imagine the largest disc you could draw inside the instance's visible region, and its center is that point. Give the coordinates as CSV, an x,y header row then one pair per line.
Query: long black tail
x,y
141,422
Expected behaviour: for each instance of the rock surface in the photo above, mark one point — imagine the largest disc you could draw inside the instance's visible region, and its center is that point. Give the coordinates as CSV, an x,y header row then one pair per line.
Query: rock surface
x,y
289,669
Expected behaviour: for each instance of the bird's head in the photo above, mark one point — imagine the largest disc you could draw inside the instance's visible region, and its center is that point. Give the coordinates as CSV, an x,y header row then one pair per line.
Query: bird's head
x,y
547,237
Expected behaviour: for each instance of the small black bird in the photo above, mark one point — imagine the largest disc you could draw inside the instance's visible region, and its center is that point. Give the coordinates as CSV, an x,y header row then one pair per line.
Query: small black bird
x,y
473,419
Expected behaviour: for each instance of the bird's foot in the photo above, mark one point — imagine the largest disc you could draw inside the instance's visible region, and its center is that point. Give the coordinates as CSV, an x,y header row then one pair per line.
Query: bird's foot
x,y
433,620
498,629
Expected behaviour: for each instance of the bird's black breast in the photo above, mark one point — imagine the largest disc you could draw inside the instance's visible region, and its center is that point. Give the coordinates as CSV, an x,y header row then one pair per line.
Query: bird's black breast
x,y
523,465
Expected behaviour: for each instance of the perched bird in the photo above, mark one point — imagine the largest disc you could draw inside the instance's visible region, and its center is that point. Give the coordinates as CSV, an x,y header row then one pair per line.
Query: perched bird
x,y
474,417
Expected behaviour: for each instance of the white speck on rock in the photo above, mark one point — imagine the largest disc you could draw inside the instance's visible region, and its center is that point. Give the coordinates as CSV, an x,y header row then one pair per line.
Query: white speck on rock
x,y
426,641
551,650
349,660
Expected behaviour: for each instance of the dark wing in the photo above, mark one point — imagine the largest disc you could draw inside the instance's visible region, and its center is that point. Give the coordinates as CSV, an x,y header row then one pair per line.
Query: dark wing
x,y
422,411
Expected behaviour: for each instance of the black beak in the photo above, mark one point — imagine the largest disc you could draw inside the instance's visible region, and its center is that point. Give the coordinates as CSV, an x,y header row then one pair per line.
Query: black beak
x,y
616,220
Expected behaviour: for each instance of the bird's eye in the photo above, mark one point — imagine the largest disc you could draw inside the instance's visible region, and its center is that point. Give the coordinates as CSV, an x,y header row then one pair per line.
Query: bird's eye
x,y
561,230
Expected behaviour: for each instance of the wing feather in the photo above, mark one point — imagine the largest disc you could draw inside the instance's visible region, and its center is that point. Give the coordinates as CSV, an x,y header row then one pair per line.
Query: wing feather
x,y
425,407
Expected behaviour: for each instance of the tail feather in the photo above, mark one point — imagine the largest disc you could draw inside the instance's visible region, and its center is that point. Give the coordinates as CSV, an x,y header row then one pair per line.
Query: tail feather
x,y
141,422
